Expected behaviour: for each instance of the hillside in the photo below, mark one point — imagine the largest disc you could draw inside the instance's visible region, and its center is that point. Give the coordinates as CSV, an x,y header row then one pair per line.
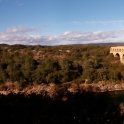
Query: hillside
x,y
25,66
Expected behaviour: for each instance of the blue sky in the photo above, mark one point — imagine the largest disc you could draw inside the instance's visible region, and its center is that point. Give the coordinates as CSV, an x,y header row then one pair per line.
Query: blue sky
x,y
51,19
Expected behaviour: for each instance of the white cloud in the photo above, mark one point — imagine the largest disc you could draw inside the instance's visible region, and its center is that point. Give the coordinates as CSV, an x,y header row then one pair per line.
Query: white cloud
x,y
101,22
20,30
106,22
22,35
18,35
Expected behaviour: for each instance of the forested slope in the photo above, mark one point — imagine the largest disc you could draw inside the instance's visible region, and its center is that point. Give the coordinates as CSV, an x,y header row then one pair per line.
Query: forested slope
x,y
28,65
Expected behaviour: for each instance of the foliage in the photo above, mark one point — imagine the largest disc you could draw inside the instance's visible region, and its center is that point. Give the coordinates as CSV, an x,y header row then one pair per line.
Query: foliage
x,y
58,64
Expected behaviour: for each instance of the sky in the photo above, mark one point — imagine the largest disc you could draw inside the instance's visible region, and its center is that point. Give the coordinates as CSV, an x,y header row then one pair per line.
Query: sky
x,y
56,22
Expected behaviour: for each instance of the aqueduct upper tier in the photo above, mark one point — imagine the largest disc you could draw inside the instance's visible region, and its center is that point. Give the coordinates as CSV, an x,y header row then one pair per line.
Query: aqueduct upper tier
x,y
118,50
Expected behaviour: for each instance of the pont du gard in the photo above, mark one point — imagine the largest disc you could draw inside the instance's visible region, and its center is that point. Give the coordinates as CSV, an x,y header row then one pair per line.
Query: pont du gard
x,y
118,51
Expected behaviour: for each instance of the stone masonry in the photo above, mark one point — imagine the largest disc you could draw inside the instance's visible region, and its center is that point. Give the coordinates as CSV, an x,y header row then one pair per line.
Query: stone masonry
x,y
118,51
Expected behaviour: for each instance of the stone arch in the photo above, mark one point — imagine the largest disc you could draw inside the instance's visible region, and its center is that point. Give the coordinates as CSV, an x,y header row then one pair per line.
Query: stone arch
x,y
118,52
120,56
117,55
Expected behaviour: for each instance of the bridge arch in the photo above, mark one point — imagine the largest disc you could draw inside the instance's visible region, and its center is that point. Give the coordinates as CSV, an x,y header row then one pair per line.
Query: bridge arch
x,y
118,52
117,55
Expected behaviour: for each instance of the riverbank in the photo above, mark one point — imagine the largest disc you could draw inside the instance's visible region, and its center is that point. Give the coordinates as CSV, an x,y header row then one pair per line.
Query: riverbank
x,y
56,90
80,108
62,104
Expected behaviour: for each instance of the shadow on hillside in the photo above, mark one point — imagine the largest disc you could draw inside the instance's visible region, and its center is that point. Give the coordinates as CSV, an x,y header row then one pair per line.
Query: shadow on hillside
x,y
85,108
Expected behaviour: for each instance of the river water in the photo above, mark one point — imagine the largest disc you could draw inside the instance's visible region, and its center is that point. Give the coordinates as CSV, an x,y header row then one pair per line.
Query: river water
x,y
81,108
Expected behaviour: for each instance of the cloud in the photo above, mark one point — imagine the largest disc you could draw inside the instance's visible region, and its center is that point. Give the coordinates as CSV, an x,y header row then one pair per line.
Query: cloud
x,y
100,22
20,30
106,22
18,35
24,35
88,37
83,37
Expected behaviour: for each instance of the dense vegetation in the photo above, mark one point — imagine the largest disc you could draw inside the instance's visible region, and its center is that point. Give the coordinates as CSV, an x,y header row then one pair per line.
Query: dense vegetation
x,y
58,64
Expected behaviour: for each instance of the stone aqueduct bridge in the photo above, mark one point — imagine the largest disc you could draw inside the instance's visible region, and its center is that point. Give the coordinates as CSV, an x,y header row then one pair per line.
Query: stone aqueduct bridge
x,y
118,51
